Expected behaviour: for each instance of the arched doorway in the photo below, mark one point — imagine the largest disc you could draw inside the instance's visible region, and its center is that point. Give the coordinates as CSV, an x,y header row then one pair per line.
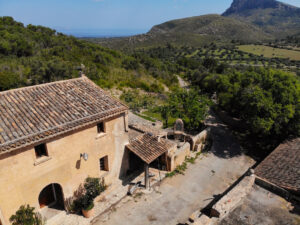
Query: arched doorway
x,y
52,197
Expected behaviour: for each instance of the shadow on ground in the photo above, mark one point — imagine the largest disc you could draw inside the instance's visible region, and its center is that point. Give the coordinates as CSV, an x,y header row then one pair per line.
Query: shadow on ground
x,y
225,145
296,209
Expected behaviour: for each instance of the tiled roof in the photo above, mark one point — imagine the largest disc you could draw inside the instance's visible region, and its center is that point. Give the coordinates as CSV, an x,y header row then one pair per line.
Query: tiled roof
x,y
148,147
282,166
34,114
132,134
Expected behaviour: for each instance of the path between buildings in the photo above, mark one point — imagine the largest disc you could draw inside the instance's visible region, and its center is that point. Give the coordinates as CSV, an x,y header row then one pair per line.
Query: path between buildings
x,y
178,197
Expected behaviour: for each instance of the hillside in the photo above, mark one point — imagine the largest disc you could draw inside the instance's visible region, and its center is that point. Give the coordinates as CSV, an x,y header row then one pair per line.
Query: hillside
x,y
217,26
193,31
32,55
273,17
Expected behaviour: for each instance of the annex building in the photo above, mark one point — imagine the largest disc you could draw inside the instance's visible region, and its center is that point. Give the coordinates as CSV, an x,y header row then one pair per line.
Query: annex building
x,y
280,171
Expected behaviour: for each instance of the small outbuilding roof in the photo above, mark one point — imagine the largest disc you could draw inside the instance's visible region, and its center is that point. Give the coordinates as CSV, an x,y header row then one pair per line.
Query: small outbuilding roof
x,y
31,115
282,166
149,147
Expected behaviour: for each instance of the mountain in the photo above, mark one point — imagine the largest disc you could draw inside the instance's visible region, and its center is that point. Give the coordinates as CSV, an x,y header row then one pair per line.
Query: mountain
x,y
193,31
245,21
217,26
273,17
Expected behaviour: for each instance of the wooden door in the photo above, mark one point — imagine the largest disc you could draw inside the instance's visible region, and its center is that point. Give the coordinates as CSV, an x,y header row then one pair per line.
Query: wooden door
x,y
46,196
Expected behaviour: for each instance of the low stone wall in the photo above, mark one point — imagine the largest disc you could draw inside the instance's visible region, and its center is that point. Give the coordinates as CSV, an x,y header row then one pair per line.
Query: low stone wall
x,y
231,200
193,143
227,203
179,156
199,140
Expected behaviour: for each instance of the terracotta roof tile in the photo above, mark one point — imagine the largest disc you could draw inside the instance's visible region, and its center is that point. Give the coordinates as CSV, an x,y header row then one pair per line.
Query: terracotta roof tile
x,y
148,148
282,166
32,114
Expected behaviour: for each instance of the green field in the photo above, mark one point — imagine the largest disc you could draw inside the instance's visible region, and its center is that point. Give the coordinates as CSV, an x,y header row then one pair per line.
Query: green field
x,y
270,52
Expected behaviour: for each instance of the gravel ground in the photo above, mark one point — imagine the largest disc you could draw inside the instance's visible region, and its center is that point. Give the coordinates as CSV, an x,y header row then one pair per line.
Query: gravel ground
x,y
133,119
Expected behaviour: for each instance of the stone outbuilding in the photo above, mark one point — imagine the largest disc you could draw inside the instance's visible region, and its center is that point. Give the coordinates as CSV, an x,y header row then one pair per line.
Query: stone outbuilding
x,y
147,149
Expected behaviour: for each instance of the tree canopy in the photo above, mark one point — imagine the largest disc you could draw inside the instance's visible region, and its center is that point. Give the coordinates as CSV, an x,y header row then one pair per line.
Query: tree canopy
x,y
267,100
188,105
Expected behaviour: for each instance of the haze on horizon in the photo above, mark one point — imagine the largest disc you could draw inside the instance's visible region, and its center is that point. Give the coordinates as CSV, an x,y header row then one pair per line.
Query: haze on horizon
x,y
108,17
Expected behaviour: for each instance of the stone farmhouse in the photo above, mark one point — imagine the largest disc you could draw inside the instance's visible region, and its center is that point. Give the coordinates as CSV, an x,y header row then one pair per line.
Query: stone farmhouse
x,y
53,136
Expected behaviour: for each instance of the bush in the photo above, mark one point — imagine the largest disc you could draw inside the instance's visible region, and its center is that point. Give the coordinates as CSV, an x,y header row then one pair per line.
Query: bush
x,y
26,216
93,187
9,80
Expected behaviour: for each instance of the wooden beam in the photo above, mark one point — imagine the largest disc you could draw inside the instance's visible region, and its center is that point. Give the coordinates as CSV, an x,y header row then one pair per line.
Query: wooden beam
x,y
147,176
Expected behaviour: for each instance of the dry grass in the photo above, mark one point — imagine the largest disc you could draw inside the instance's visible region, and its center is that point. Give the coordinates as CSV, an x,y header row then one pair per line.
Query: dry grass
x,y
270,52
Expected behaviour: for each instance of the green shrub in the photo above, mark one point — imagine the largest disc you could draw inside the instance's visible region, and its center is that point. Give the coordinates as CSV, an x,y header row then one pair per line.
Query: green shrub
x,y
93,188
26,216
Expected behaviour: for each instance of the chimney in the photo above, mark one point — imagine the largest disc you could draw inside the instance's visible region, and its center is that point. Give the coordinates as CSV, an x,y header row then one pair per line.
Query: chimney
x,y
158,138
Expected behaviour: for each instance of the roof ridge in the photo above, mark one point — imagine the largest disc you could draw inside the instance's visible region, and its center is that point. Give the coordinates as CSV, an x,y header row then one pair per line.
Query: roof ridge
x,y
40,85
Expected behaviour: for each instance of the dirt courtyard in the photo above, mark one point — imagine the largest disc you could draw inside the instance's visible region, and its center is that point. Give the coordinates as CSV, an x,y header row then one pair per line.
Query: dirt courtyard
x,y
178,197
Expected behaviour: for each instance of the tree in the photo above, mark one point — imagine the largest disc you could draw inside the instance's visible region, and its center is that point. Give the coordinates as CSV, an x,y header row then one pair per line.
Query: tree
x,y
165,113
210,63
190,106
9,80
267,100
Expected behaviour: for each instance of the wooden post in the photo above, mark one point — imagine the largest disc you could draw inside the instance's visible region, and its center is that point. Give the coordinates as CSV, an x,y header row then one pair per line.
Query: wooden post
x,y
146,176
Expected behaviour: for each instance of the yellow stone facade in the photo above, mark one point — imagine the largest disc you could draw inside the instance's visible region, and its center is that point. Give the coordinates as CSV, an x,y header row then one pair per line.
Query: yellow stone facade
x,y
23,177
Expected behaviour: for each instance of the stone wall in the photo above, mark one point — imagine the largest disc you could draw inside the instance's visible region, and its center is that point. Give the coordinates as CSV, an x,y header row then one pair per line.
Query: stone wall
x,y
199,140
178,156
227,203
231,200
22,176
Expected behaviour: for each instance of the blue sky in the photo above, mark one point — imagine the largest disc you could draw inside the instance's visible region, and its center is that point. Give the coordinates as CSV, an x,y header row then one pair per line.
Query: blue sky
x,y
109,15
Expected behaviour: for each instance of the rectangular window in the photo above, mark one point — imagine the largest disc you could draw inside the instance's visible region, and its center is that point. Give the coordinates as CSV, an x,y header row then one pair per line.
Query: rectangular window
x,y
101,128
104,163
40,150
